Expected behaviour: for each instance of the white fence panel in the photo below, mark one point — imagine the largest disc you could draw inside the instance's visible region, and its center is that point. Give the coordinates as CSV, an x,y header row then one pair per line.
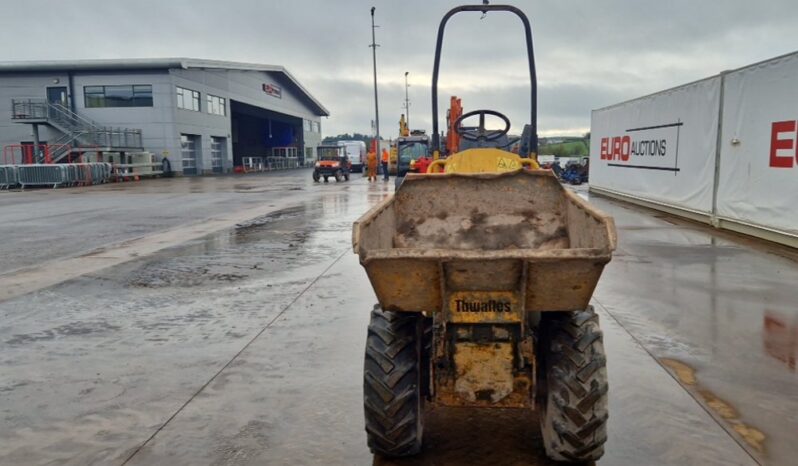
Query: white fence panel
x,y
659,148
758,182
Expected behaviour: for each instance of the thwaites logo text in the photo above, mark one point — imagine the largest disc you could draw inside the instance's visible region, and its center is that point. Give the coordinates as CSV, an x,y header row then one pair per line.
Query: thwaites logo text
x,y
493,305
784,144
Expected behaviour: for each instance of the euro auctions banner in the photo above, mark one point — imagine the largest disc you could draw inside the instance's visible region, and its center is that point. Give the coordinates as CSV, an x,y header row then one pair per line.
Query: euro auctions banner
x,y
758,181
659,148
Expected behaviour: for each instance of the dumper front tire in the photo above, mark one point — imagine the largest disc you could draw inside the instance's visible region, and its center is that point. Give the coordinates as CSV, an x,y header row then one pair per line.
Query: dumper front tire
x,y
573,395
392,383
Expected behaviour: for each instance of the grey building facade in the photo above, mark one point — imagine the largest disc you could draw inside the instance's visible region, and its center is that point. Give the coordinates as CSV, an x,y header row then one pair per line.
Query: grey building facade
x,y
204,116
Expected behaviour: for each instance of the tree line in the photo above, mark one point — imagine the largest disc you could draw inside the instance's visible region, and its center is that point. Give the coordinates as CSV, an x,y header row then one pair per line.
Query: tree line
x,y
349,137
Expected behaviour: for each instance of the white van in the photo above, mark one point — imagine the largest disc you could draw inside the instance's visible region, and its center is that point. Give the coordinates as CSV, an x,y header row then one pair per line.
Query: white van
x,y
356,151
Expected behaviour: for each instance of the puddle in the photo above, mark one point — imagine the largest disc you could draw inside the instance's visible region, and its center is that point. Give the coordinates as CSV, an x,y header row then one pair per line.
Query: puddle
x,y
263,220
780,337
280,241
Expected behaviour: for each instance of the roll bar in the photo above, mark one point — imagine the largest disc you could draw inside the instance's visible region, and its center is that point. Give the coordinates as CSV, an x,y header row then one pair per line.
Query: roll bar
x,y
533,134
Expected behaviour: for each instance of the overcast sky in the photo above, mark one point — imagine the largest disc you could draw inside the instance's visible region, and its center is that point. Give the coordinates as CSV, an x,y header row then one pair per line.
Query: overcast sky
x,y
589,53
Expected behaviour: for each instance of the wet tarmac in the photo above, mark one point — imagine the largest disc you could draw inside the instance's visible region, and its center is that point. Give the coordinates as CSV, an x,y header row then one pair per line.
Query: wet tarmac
x,y
720,312
43,225
246,347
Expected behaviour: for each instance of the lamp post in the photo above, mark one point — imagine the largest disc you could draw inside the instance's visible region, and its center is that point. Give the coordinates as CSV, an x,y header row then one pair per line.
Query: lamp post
x,y
374,58
407,101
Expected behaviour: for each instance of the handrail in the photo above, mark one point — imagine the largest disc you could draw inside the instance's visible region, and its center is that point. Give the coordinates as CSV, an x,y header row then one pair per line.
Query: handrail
x,y
38,109
77,127
70,116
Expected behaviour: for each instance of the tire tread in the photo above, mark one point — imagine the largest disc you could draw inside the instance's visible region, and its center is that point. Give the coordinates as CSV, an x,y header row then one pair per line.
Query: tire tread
x,y
574,417
391,383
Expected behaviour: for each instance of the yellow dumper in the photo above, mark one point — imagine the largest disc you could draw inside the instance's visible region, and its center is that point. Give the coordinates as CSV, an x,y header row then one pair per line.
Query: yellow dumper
x,y
484,268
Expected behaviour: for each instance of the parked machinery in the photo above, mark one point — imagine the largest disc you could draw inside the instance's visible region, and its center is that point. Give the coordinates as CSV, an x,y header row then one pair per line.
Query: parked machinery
x,y
576,171
453,114
410,146
356,151
332,162
409,150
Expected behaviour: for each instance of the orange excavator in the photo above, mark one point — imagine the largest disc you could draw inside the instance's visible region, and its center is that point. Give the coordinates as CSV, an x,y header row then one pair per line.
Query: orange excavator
x,y
452,115
455,111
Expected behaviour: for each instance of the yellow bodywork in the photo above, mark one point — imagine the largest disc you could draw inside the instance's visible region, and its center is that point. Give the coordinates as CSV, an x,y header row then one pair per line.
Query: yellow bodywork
x,y
493,363
485,373
483,160
478,248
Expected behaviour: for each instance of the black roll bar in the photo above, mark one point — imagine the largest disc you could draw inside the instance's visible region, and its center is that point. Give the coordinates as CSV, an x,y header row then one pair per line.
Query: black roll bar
x,y
533,136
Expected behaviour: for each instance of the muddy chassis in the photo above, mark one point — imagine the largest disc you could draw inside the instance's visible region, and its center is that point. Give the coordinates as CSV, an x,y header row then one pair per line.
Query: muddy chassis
x,y
559,369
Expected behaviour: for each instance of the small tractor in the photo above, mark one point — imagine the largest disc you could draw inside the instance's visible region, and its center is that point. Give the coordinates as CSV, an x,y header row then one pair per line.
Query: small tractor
x,y
576,171
332,162
468,263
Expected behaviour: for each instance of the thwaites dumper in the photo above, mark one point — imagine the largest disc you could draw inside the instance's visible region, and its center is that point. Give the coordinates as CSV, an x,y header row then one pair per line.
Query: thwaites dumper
x,y
484,268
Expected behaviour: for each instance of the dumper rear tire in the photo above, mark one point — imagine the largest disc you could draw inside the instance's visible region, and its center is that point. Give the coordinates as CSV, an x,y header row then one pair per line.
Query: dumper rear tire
x,y
573,395
392,383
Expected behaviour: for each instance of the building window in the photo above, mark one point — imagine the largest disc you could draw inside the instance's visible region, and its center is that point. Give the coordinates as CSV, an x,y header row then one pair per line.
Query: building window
x,y
316,127
132,95
307,126
217,105
188,99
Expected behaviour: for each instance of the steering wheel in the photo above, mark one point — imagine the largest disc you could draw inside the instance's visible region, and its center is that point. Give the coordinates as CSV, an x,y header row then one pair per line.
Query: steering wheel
x,y
480,133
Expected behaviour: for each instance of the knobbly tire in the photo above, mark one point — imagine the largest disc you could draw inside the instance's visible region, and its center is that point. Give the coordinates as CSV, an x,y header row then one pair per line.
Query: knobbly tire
x,y
392,383
573,395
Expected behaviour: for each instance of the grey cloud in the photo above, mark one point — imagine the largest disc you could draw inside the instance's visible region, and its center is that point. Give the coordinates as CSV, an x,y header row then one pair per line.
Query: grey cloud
x,y
589,53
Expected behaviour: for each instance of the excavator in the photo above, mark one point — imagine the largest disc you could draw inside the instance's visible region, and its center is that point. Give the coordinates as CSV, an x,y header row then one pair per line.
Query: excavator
x,y
453,114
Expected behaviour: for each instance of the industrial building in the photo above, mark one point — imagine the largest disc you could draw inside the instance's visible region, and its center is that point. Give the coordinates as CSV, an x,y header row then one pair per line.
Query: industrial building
x,y
203,116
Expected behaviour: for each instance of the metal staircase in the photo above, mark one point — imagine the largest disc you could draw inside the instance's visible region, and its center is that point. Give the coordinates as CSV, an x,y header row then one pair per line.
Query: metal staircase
x,y
78,131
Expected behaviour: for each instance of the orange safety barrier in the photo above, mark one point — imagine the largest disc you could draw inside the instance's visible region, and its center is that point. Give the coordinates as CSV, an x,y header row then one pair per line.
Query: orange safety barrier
x,y
25,153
